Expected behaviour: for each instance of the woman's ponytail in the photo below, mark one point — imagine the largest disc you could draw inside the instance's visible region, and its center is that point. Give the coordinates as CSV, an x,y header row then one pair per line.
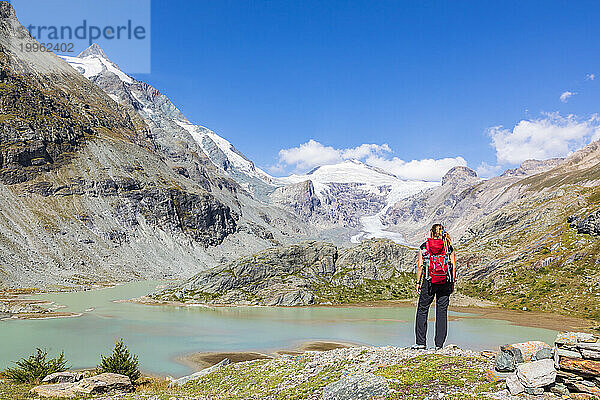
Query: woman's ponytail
x,y
447,240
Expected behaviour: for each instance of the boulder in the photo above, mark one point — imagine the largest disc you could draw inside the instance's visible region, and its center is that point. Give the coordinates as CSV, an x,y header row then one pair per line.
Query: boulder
x,y
526,351
65,390
537,373
559,389
581,366
543,354
63,377
183,380
538,391
505,362
357,386
514,385
105,383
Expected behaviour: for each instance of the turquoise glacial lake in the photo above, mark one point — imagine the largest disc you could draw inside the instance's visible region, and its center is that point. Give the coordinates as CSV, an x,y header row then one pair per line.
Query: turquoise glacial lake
x,y
161,334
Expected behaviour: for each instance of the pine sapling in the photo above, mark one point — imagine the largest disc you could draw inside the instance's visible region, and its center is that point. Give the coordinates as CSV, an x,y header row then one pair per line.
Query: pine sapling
x,y
120,362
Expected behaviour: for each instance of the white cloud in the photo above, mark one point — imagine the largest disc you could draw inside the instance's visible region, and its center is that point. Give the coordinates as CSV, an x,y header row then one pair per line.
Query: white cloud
x,y
590,77
313,154
564,97
550,136
309,155
365,150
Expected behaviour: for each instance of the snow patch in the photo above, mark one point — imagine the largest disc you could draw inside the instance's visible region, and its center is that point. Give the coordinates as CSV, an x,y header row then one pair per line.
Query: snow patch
x,y
94,65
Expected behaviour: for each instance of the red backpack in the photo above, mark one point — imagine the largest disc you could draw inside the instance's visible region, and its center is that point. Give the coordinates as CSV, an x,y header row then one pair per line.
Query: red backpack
x,y
437,261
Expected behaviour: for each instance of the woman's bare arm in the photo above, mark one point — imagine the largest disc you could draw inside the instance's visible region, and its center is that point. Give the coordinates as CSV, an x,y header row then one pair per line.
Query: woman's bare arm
x,y
453,258
419,270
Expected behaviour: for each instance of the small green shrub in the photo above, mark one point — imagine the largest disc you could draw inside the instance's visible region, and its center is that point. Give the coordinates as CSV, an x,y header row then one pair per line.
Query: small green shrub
x,y
120,362
36,367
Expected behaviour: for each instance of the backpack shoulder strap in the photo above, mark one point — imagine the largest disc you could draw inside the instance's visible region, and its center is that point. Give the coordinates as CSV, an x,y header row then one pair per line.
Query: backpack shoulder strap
x,y
426,261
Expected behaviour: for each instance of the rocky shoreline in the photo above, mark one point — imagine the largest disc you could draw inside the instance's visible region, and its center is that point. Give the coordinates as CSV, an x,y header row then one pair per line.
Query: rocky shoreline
x,y
316,371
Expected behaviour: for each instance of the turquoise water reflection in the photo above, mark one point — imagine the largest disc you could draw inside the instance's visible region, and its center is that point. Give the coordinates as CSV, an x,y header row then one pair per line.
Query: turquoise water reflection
x,y
160,334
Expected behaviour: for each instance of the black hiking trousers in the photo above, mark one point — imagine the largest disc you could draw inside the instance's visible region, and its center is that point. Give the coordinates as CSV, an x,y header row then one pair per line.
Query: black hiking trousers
x,y
442,294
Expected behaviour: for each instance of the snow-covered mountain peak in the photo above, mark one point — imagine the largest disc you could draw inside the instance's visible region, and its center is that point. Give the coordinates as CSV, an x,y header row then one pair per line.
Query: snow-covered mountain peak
x,y
93,61
93,50
348,171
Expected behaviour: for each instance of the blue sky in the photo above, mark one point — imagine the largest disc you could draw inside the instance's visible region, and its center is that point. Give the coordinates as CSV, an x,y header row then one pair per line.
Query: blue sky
x,y
429,79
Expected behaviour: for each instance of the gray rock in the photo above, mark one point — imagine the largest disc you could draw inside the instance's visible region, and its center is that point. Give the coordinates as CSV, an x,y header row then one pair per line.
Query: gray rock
x,y
568,353
98,384
526,351
183,380
574,338
589,350
359,386
505,362
514,352
589,224
534,391
543,354
537,373
559,389
63,377
104,383
514,385
62,390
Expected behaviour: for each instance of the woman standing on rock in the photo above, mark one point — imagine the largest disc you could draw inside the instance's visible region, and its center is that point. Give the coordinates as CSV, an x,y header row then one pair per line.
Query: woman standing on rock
x,y
436,273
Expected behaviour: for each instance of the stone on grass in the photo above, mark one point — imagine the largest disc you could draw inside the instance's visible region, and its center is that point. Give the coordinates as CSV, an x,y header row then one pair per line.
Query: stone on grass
x,y
513,384
537,373
183,380
505,362
98,384
359,386
65,390
105,383
63,377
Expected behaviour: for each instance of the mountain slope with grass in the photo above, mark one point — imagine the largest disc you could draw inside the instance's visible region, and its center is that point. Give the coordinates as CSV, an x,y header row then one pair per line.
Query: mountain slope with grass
x,y
542,251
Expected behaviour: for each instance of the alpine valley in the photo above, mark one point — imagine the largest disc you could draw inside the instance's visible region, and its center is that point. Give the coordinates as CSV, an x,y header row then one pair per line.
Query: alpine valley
x,y
104,180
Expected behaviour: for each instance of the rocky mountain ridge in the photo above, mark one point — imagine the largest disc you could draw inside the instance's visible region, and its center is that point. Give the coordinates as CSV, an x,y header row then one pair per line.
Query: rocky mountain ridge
x,y
89,192
331,198
462,200
542,251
